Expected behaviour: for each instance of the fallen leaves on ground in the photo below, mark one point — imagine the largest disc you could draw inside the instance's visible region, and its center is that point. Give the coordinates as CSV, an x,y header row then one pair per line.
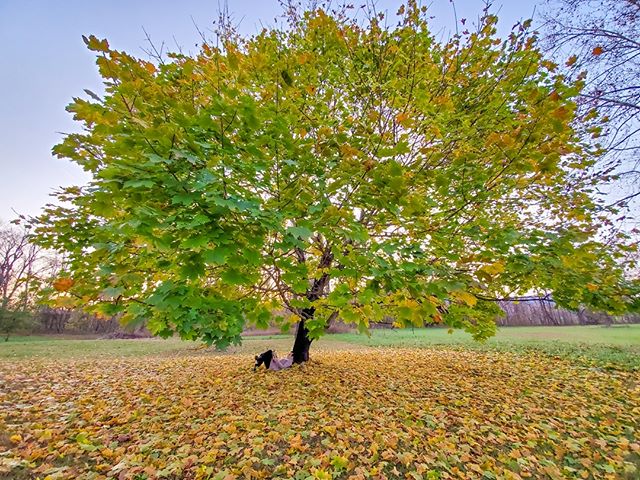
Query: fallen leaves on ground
x,y
379,413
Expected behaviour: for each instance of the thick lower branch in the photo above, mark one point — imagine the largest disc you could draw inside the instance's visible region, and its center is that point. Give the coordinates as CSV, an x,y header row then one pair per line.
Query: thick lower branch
x,y
546,298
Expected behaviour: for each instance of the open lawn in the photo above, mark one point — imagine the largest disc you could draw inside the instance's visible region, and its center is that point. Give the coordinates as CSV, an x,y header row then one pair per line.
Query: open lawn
x,y
614,335
616,347
611,347
531,403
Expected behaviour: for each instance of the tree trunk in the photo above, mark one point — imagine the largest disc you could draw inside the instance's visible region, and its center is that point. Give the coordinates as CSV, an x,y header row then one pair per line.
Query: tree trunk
x,y
302,342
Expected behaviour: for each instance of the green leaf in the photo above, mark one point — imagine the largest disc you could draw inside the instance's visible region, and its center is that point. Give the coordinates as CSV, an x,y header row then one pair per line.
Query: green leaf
x,y
235,277
138,183
300,232
218,255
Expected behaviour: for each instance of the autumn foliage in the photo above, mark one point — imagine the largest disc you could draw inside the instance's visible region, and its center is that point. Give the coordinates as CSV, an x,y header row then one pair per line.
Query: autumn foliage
x,y
369,414
333,169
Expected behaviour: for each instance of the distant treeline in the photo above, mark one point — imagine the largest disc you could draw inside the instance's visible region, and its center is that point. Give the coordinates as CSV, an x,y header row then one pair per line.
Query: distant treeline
x,y
545,312
542,312
529,313
62,320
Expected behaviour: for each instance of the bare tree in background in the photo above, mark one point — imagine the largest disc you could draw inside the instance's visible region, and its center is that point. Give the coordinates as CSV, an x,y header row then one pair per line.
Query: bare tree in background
x,y
21,267
602,37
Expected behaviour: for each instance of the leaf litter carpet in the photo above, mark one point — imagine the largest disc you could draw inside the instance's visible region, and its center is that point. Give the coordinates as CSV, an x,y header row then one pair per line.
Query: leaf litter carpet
x,y
361,414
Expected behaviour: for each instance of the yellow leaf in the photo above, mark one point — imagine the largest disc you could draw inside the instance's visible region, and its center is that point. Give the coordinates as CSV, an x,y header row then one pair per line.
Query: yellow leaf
x,y
331,430
492,269
348,151
465,297
106,452
64,302
468,298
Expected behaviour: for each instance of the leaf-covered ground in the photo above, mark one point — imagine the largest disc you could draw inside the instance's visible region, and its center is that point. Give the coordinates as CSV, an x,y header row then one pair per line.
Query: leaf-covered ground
x,y
394,413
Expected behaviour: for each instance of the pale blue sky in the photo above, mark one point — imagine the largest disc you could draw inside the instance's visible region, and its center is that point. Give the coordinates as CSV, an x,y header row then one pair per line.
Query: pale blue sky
x,y
43,63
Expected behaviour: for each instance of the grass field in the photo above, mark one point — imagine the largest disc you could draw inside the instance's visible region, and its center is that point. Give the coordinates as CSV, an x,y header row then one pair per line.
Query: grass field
x,y
611,347
531,403
615,335
616,347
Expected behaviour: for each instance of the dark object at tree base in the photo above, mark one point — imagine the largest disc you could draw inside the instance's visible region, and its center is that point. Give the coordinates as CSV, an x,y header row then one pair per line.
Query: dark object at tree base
x,y
300,350
302,342
265,358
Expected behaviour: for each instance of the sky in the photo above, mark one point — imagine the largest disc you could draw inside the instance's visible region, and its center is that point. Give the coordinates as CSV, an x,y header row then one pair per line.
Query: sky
x,y
44,63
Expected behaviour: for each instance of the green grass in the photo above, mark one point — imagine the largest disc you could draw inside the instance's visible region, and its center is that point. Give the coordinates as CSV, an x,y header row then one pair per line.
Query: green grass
x,y
52,347
611,347
616,335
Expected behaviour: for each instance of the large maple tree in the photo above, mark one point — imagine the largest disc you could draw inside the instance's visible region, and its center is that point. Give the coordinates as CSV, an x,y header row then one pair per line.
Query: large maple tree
x,y
332,169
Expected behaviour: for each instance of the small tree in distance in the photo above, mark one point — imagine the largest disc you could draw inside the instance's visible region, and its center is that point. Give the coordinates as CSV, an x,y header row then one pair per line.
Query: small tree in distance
x,y
332,169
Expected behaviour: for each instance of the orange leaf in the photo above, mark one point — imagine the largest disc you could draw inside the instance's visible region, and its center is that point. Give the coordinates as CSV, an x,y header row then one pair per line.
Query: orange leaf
x,y
560,113
402,117
63,284
150,67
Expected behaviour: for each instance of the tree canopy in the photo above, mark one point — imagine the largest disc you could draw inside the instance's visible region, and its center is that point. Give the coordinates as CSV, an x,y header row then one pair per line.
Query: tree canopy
x,y
335,167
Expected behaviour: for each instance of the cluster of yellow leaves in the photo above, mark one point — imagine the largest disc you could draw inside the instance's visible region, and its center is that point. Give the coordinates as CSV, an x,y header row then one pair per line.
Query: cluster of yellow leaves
x,y
367,414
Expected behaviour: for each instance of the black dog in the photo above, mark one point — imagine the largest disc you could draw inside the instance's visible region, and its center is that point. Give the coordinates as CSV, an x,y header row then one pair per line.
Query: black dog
x,y
265,358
